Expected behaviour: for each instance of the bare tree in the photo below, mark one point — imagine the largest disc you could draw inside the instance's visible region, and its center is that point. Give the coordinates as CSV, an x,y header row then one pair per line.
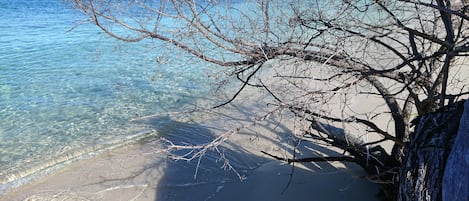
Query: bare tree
x,y
316,59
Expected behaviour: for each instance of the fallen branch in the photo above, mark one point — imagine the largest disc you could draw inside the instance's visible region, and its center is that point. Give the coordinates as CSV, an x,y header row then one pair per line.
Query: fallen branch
x,y
313,159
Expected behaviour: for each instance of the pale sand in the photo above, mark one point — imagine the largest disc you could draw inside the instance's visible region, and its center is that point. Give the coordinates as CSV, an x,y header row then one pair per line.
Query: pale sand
x,y
128,174
140,172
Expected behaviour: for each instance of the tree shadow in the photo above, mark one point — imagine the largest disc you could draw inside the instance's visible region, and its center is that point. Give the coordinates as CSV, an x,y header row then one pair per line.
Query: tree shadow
x,y
195,179
266,178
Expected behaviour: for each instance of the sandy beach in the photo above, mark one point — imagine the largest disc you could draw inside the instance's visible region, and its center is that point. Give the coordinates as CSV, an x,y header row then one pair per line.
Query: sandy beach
x,y
140,171
129,174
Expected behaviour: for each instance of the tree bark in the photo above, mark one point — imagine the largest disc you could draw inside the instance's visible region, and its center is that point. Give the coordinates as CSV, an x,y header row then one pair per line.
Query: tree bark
x,y
426,156
456,175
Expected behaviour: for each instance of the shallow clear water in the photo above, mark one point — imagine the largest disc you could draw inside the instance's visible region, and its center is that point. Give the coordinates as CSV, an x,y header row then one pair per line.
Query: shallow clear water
x,y
63,90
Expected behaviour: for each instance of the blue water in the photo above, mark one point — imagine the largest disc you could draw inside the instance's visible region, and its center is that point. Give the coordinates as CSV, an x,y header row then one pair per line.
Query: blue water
x,y
62,89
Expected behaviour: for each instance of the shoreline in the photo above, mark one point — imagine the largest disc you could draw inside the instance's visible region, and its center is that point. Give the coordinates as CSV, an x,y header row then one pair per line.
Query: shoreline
x,y
269,181
28,174
86,180
140,171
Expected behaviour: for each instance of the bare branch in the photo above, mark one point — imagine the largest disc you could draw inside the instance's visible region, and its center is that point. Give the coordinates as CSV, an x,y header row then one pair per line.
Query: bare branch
x,y
312,159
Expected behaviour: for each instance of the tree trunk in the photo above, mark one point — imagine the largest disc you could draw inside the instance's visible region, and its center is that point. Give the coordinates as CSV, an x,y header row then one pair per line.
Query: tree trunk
x,y
434,148
456,176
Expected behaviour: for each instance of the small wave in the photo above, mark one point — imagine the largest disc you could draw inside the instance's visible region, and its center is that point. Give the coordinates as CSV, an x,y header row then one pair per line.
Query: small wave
x,y
27,174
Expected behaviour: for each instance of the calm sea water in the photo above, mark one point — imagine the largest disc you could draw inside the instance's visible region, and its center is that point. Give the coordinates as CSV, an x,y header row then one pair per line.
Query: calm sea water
x,y
63,90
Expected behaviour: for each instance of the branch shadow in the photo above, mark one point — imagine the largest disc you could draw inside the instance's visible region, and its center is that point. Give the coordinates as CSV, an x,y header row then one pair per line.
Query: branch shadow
x,y
266,178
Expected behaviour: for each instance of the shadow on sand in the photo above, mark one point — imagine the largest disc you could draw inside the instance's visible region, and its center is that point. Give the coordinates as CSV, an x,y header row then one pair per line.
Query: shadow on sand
x,y
265,178
142,172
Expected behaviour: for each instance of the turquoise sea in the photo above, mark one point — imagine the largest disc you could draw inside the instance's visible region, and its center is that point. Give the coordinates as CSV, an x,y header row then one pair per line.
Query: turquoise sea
x,y
66,88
